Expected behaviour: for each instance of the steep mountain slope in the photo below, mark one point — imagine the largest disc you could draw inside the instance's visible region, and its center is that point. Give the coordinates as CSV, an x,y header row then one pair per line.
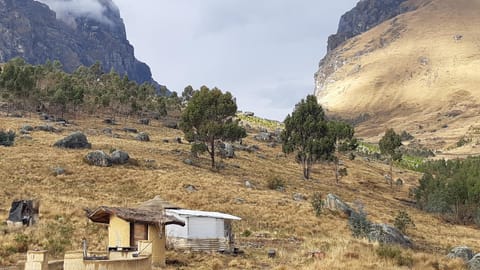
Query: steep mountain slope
x,y
31,30
415,71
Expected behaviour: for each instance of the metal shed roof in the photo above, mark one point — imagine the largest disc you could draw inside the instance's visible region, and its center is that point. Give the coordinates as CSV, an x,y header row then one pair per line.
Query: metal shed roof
x,y
196,213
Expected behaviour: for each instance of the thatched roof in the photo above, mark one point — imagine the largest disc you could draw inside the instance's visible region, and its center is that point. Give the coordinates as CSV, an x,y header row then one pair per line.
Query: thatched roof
x,y
157,204
102,215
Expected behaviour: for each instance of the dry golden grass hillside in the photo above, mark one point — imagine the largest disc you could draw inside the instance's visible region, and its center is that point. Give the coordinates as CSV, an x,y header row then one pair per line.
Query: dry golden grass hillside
x,y
415,72
274,219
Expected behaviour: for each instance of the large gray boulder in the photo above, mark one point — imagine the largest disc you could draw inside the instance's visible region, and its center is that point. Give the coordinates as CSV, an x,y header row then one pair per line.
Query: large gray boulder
x,y
334,203
143,137
98,158
120,157
76,140
474,263
463,252
387,234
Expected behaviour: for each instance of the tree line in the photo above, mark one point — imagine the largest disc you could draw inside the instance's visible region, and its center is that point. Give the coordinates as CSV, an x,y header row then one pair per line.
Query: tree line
x,y
88,90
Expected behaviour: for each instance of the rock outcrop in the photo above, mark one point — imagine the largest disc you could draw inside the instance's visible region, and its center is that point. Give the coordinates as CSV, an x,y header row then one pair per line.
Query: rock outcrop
x,y
464,253
367,14
387,234
31,30
76,140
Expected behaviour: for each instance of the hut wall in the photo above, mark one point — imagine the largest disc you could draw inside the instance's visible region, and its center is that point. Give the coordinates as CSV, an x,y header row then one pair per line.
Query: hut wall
x,y
74,261
198,244
118,232
205,228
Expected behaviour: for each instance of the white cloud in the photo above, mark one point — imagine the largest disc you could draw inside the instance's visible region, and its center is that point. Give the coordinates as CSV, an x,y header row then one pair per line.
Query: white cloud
x,y
68,10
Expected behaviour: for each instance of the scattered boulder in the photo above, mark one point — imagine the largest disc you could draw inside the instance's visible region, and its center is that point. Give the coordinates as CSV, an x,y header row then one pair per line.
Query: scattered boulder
x,y
171,124
98,158
165,141
178,140
130,130
462,252
263,136
272,253
249,113
76,140
27,128
239,201
144,121
299,197
46,128
188,161
248,184
474,263
58,171
107,131
334,203
109,121
120,157
143,137
387,234
190,188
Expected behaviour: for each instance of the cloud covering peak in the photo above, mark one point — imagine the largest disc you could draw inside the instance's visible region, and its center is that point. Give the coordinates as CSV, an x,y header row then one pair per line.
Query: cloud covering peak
x,y
68,10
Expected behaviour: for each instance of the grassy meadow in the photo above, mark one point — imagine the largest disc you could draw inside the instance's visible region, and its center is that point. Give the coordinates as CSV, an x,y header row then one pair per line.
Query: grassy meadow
x,y
271,219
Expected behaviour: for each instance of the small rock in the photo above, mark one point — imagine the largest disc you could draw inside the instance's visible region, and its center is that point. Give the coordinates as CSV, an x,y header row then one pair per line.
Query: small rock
x,y
107,131
130,130
120,157
463,252
27,128
188,161
76,140
178,140
272,253
144,121
299,197
248,184
98,158
239,201
280,189
229,151
165,141
171,124
272,144
109,121
263,136
143,137
474,263
58,171
46,128
190,188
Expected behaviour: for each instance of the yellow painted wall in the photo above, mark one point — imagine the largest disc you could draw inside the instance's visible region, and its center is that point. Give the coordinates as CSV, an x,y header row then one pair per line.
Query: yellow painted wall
x,y
74,261
118,232
157,237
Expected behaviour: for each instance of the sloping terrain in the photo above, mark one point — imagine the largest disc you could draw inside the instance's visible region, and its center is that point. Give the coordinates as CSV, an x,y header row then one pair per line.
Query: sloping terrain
x,y
415,72
270,218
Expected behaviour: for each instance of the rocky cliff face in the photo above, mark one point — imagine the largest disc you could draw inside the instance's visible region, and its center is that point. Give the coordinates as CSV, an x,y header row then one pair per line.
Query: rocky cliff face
x,y
74,36
367,14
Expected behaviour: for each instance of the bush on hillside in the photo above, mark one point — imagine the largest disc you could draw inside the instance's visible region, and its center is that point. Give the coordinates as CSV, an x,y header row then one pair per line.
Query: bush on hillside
x,y
275,183
450,188
359,223
7,138
403,221
317,203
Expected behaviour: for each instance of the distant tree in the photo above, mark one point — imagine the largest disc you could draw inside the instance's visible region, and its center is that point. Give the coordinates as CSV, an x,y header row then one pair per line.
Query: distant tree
x,y
389,145
343,137
208,117
187,94
306,133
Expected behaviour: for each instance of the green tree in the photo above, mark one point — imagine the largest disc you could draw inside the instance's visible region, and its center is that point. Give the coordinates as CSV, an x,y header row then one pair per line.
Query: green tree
x,y
343,137
306,133
208,117
187,94
389,145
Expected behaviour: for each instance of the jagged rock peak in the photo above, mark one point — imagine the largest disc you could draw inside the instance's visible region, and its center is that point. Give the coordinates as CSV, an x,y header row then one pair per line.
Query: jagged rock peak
x,y
75,32
365,15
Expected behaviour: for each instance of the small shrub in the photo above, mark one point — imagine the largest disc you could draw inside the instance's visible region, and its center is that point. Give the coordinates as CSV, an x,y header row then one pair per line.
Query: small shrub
x,y
403,221
463,141
317,203
58,234
7,138
394,253
359,224
275,183
22,241
246,233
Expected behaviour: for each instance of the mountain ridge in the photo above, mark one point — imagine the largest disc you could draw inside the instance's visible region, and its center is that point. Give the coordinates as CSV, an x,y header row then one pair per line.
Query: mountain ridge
x,y
39,34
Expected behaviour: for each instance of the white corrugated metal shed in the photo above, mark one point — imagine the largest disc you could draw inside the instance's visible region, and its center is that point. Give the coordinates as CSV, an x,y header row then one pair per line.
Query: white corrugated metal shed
x,y
196,213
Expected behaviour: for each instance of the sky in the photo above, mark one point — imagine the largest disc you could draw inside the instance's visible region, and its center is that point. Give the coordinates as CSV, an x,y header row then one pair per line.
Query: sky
x,y
265,52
